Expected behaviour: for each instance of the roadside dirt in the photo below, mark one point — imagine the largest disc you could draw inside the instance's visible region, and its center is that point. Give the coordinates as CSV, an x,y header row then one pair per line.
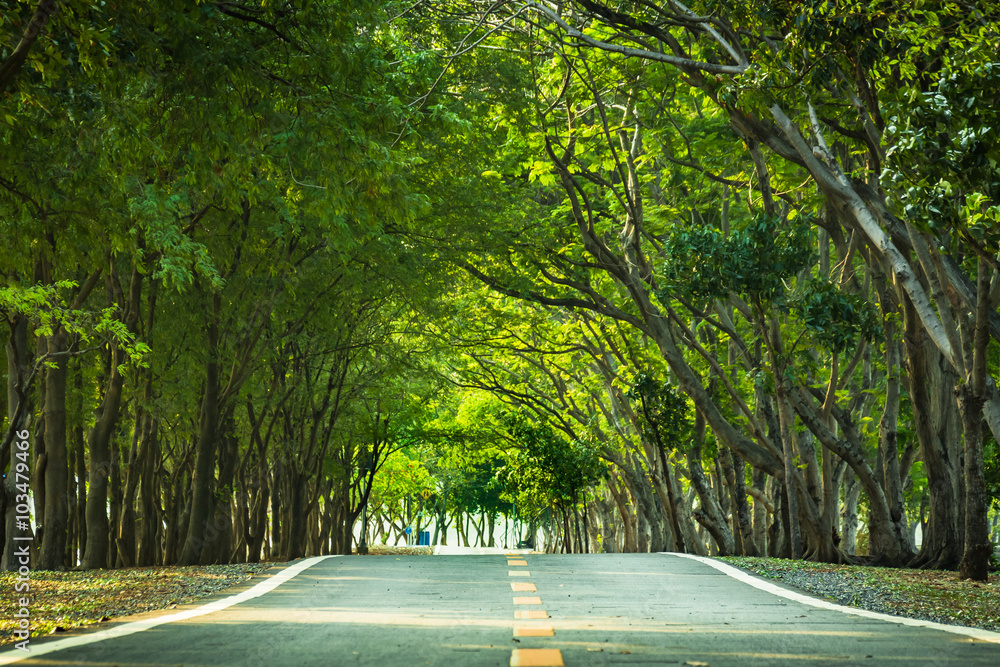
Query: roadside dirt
x,y
933,595
59,601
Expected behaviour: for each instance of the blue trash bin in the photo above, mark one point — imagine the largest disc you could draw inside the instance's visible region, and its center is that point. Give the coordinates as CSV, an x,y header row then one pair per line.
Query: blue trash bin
x,y
424,540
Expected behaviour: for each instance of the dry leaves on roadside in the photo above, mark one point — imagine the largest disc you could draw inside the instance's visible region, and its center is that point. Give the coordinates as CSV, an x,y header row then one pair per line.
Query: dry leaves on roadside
x,y
934,595
64,600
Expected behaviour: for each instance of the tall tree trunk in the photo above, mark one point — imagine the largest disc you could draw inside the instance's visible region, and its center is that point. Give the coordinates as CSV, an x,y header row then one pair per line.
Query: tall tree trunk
x,y
578,534
149,519
275,497
40,460
150,459
936,428
204,467
69,552
115,503
219,538
95,556
295,528
781,532
81,468
628,518
124,533
891,535
257,529
971,397
710,514
849,515
673,507
98,537
760,512
735,471
789,437
171,513
18,418
53,549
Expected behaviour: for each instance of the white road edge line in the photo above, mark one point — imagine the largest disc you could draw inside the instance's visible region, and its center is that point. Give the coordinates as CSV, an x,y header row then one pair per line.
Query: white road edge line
x,y
735,573
266,586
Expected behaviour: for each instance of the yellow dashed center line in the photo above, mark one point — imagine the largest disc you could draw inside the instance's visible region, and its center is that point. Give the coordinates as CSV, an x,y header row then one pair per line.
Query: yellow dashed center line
x,y
527,600
530,657
536,657
533,631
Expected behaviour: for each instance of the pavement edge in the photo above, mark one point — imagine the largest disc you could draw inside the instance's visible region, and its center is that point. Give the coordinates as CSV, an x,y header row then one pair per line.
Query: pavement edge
x,y
266,586
774,589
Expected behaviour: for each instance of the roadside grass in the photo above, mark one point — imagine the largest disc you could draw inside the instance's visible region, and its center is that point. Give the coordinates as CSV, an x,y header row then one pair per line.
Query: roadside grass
x,y
59,601
925,594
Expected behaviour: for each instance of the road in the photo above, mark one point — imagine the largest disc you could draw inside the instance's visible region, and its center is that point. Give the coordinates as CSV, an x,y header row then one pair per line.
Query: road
x,y
652,609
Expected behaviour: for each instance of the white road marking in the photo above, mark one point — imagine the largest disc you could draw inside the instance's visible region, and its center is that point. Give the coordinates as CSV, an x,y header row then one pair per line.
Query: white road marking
x,y
266,586
975,633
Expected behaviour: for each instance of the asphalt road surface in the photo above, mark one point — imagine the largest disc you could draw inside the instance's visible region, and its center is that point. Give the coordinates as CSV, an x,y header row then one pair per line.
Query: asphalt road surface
x,y
651,609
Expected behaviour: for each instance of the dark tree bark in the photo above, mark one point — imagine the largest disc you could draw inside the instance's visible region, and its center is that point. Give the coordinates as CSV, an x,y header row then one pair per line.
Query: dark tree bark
x,y
115,502
95,556
742,515
256,530
15,61
176,507
276,523
138,454
150,459
971,397
18,417
123,515
710,514
789,433
849,515
52,553
629,542
936,428
204,469
69,555
81,468
671,503
219,544
761,508
41,458
149,519
98,536
780,535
